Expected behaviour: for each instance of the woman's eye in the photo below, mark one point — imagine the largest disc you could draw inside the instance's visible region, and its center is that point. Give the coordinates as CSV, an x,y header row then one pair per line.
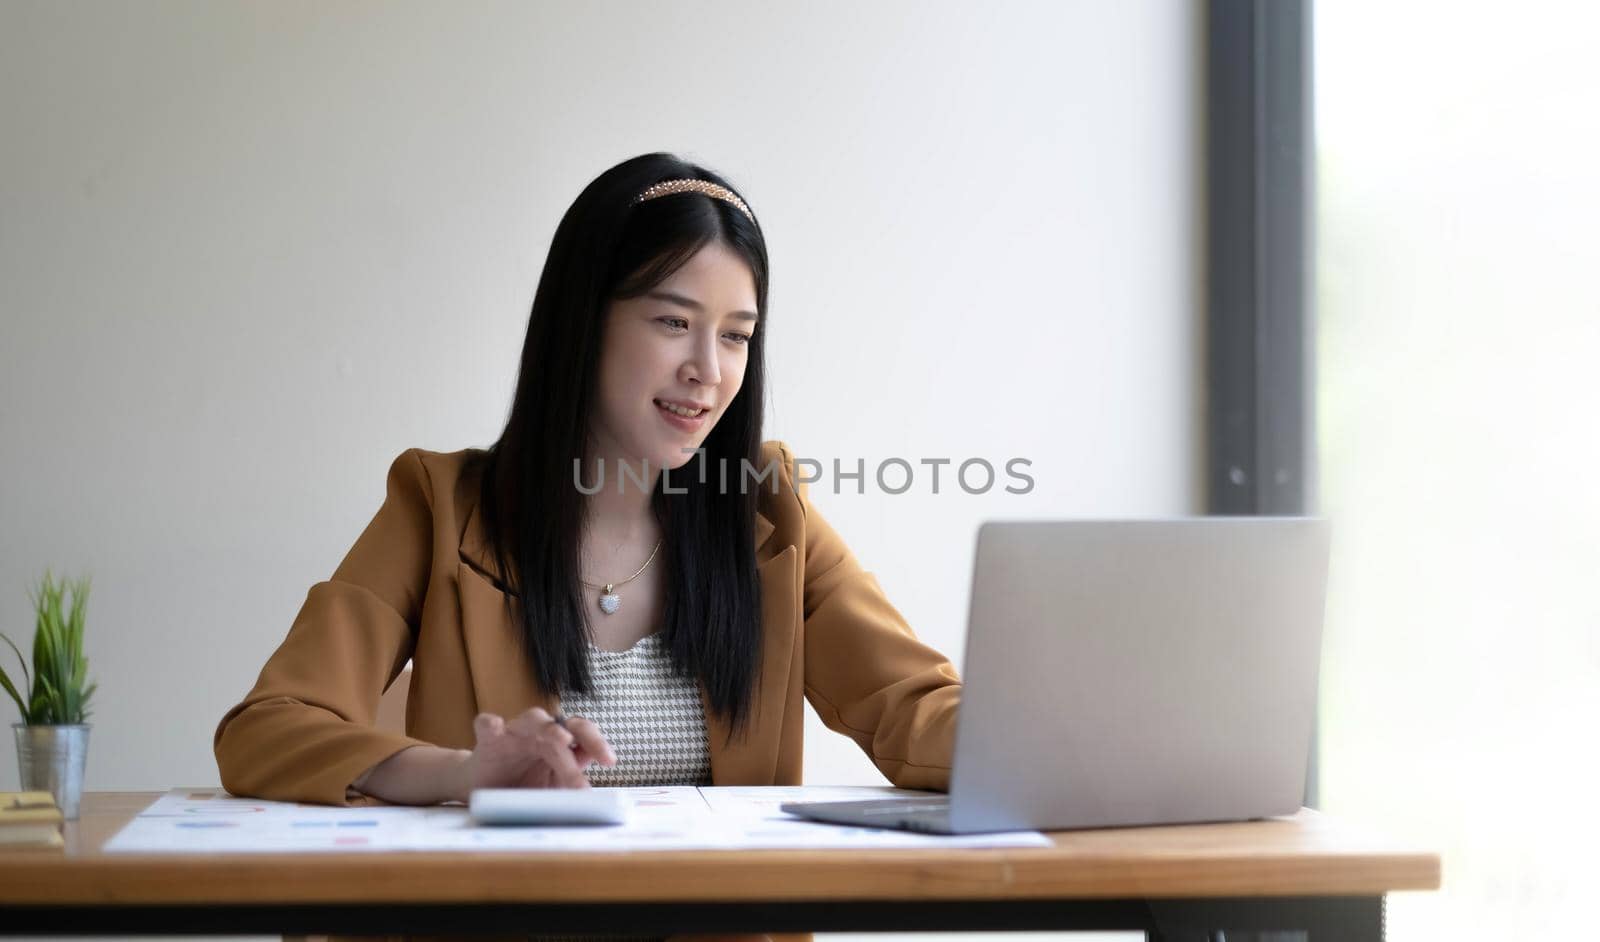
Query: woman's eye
x,y
738,338
674,323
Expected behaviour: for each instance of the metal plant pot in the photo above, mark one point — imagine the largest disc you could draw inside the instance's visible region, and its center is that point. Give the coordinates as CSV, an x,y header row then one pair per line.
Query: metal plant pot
x,y
51,759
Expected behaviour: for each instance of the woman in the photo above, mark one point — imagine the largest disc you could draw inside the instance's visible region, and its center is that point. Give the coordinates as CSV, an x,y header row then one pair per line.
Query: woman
x,y
543,621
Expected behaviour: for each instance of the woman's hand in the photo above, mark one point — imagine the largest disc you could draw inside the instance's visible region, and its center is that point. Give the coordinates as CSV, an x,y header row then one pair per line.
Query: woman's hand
x,y
532,750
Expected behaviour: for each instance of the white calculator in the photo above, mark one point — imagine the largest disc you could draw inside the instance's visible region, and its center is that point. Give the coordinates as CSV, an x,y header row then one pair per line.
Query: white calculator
x,y
547,806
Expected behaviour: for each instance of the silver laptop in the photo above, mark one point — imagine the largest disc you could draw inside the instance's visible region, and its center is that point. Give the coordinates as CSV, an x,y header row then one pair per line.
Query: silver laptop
x,y
1129,672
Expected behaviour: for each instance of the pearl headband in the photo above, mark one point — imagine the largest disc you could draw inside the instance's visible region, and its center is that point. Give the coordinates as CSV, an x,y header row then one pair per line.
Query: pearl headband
x,y
669,187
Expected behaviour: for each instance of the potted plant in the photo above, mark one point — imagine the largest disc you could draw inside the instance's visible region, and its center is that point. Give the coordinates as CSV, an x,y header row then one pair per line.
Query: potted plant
x,y
53,737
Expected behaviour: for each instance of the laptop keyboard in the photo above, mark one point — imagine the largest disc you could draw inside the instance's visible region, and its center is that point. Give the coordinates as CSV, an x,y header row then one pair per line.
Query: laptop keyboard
x,y
930,815
907,806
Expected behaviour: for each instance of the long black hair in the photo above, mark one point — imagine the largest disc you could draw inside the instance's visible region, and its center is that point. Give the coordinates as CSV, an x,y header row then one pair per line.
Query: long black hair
x,y
607,247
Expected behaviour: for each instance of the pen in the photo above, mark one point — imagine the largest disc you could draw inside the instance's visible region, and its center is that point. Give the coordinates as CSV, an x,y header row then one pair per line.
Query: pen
x,y
560,719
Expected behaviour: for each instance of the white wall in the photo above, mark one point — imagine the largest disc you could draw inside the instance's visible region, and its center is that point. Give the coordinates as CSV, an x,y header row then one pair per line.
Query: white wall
x,y
248,253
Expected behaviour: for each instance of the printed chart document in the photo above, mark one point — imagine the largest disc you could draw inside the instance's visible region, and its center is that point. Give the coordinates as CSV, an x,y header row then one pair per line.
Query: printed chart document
x,y
208,820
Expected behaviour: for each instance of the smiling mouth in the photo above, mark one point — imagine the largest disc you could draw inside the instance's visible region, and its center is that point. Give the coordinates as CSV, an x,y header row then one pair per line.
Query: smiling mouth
x,y
676,409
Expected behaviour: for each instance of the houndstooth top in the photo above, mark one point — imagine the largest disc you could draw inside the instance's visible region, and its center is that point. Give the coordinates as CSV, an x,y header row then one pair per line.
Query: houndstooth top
x,y
653,720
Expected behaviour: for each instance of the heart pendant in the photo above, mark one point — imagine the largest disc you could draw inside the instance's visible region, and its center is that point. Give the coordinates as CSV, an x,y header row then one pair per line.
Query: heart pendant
x,y
610,603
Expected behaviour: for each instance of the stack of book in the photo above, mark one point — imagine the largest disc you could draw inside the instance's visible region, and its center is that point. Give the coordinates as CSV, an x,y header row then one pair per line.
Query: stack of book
x,y
29,819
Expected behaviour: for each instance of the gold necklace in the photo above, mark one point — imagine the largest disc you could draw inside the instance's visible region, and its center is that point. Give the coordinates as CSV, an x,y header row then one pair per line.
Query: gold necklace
x,y
610,601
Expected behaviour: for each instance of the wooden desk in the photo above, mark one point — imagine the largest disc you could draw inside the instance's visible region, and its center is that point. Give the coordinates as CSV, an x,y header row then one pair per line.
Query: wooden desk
x,y
1307,872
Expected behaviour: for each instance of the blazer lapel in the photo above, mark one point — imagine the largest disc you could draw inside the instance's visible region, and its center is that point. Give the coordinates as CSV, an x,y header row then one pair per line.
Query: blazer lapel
x,y
501,679
764,530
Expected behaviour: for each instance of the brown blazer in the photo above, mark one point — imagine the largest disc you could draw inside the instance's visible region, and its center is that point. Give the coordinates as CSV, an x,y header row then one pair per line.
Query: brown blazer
x,y
421,584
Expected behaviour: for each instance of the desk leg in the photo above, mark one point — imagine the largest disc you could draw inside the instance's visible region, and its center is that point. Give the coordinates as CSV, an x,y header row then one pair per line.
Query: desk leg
x,y
1320,919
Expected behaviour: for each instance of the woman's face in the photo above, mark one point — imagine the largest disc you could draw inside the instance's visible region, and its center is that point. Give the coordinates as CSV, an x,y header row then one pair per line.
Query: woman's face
x,y
683,344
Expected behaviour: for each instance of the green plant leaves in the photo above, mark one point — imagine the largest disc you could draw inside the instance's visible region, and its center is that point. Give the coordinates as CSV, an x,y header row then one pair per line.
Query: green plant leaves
x,y
58,694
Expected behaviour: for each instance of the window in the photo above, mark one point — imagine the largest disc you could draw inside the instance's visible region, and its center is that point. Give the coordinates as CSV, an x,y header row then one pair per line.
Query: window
x,y
1458,415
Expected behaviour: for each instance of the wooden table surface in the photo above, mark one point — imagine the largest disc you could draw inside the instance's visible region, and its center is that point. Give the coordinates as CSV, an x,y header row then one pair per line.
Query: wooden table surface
x,y
1308,854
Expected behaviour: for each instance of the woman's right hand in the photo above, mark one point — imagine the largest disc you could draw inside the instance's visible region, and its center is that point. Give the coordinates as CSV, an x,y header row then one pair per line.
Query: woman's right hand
x,y
532,750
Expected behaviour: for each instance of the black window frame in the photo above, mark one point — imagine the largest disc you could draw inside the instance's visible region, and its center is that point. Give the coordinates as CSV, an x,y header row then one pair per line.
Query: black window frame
x,y
1260,359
